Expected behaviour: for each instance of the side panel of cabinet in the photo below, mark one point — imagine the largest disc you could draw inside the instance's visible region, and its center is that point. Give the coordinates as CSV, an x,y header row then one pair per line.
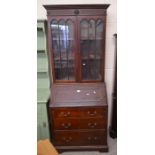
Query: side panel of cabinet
x,y
42,122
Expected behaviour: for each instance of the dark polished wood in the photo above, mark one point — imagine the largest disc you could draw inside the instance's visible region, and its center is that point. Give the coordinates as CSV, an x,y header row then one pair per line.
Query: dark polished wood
x,y
77,109
72,12
78,6
79,123
78,112
76,13
78,138
100,148
79,116
78,94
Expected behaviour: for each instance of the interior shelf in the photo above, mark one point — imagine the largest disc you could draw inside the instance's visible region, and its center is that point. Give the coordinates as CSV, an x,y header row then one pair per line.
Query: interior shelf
x,y
63,67
63,51
62,39
41,51
92,39
93,59
42,74
64,58
39,29
41,54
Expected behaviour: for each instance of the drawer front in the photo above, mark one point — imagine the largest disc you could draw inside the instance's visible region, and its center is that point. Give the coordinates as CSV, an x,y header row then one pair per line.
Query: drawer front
x,y
68,112
80,112
73,123
65,123
94,112
95,137
66,138
92,123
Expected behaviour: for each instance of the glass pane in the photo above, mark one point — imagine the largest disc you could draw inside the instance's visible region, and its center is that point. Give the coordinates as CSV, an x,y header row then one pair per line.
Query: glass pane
x,y
62,44
84,47
70,50
84,29
91,29
56,47
91,47
99,47
63,56
99,29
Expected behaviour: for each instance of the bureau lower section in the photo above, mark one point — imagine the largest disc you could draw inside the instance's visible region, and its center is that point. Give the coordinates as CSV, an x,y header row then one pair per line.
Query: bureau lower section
x,y
79,128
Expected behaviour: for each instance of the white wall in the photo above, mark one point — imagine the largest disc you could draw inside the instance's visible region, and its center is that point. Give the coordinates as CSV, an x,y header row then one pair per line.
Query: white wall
x,y
110,30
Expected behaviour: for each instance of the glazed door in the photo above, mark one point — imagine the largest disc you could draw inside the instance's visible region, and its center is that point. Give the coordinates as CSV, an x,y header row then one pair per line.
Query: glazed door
x,y
91,36
62,42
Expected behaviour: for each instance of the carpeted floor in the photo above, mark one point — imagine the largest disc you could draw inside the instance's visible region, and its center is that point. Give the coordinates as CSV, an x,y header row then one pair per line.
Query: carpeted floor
x,y
112,150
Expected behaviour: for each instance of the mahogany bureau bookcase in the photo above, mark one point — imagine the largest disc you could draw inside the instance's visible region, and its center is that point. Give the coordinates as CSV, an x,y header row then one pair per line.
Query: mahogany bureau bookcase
x,y
78,107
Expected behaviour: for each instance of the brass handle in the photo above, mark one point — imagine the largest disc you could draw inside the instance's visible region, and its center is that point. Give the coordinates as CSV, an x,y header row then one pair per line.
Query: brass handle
x,y
92,125
92,114
66,114
66,126
67,139
92,138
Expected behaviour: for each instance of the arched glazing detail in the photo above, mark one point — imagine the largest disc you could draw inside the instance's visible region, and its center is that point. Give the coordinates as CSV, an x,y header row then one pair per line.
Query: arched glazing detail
x,y
84,26
99,45
91,47
62,33
70,50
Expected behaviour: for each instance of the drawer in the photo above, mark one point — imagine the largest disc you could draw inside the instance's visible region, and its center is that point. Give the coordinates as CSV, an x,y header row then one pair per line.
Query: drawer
x,y
77,138
94,112
94,137
65,123
92,123
80,112
73,123
68,112
66,138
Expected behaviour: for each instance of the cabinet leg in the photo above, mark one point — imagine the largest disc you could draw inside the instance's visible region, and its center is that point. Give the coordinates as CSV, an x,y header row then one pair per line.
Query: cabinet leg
x,y
112,133
103,150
